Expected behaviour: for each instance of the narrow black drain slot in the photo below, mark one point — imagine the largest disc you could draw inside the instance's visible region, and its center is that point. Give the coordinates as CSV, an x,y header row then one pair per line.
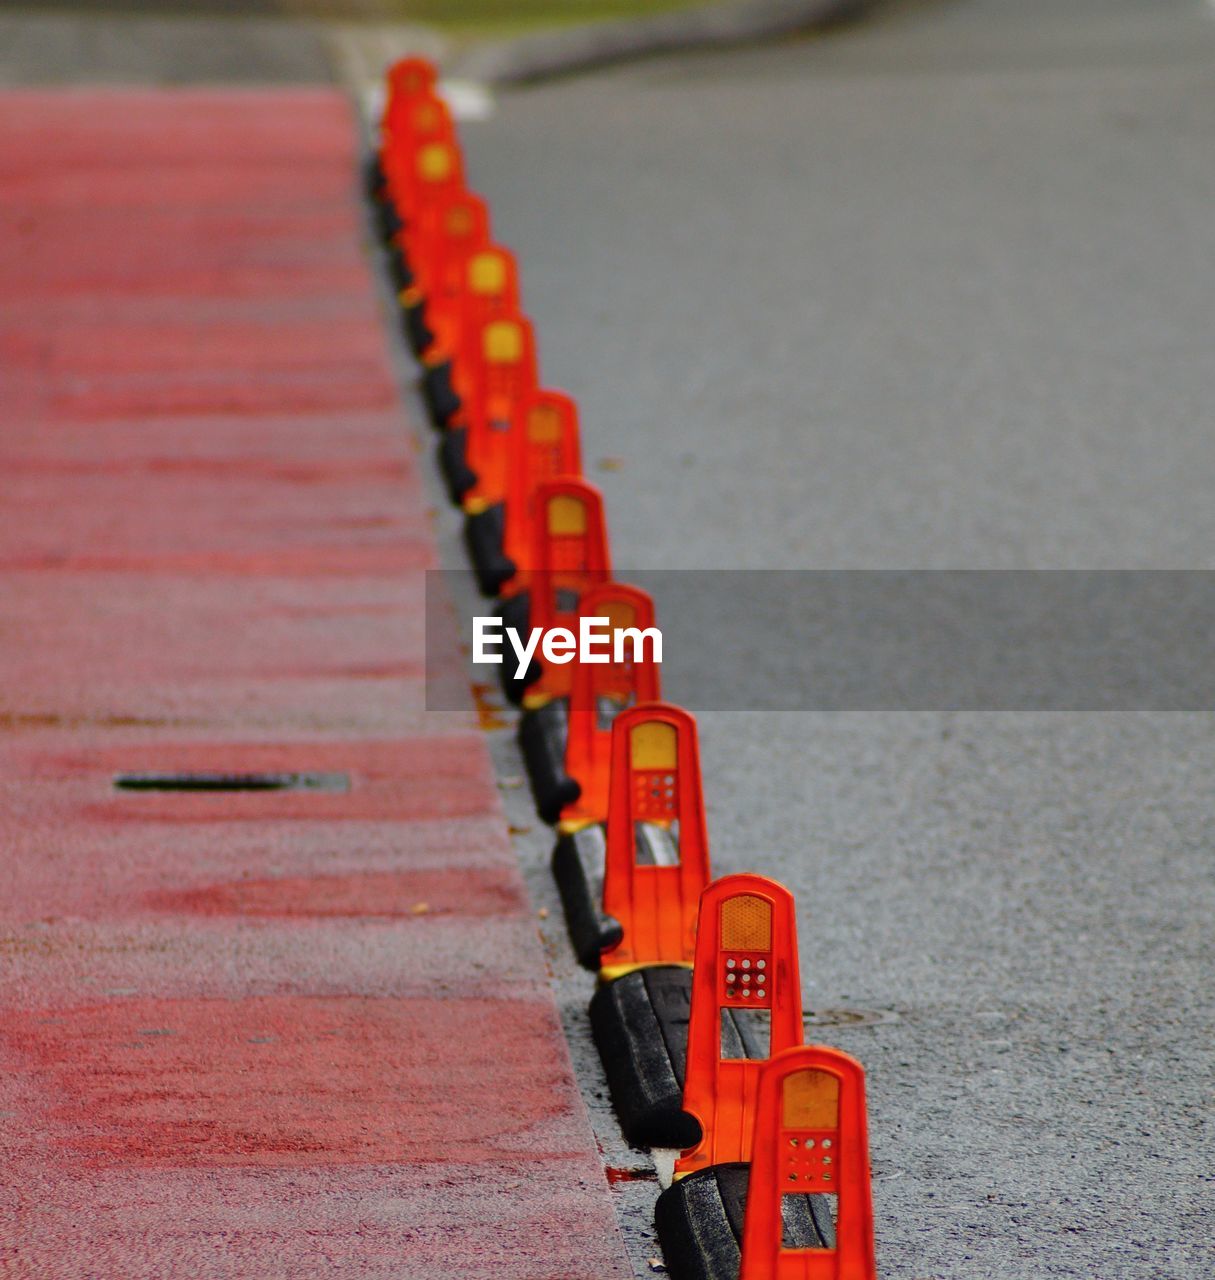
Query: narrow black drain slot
x,y
233,782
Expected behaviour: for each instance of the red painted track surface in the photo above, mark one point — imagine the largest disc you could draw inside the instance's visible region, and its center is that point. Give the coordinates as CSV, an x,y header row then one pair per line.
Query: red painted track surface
x,y
255,1035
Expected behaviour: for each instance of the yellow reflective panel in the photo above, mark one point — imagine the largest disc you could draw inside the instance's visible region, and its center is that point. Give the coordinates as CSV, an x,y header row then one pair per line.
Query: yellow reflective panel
x,y
746,923
459,220
619,614
503,342
811,1100
544,424
435,162
425,116
487,273
653,745
566,515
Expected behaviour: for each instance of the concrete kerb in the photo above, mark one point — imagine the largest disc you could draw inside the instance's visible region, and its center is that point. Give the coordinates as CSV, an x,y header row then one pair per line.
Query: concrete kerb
x,y
580,48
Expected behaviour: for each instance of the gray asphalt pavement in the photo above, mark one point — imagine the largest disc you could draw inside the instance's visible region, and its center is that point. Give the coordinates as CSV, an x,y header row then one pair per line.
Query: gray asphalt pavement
x,y
153,43
930,293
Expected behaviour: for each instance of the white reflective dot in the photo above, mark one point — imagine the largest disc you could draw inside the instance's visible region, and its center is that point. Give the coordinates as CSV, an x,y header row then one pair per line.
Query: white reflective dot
x,y
729,964
761,964
746,964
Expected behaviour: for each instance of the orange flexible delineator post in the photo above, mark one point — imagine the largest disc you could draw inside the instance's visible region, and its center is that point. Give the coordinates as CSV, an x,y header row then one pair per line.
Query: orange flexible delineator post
x,y
475,286
418,120
601,691
499,537
547,447
811,1137
431,175
414,164
569,556
458,230
502,382
455,227
655,779
746,958
448,227
408,79
471,277
408,82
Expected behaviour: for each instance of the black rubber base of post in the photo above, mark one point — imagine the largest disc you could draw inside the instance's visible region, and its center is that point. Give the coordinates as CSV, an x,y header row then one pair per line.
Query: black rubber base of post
x,y
438,394
457,475
640,1026
700,1223
578,861
413,322
483,534
388,222
542,734
373,176
516,612
398,270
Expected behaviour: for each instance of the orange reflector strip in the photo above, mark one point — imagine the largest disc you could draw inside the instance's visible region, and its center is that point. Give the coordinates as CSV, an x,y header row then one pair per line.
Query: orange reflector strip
x,y
810,1100
458,220
566,517
746,923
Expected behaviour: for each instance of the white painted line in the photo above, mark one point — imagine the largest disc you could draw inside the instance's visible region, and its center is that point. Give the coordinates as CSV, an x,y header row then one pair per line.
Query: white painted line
x,y
372,98
363,53
467,99
664,1164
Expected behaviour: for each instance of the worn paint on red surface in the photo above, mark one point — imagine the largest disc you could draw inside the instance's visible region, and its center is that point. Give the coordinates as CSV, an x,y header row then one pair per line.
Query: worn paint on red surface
x,y
416,894
296,1080
243,1035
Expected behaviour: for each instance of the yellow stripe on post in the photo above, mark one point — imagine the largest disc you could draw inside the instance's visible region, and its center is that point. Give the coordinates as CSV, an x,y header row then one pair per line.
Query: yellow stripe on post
x,y
652,745
566,515
435,162
503,342
544,424
811,1100
486,274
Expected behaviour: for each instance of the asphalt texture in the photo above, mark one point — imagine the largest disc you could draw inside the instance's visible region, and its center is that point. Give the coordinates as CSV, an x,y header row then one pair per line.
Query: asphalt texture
x,y
929,293
88,45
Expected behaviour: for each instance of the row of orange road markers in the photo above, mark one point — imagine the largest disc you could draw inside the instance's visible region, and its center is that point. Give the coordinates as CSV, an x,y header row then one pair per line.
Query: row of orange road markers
x,y
697,1014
